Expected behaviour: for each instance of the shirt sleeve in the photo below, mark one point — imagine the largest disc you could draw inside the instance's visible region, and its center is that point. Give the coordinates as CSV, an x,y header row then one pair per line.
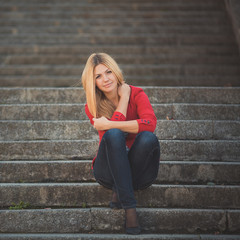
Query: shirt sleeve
x,y
147,120
118,116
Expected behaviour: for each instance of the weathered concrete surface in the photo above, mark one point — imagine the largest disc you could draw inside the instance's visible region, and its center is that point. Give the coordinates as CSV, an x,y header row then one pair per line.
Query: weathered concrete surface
x,y
178,219
43,112
41,95
77,130
76,111
233,221
46,171
96,237
80,171
47,130
92,194
197,172
204,111
200,150
193,95
184,129
155,94
117,237
151,34
42,221
169,220
152,39
226,130
171,150
129,69
190,196
43,150
122,49
160,80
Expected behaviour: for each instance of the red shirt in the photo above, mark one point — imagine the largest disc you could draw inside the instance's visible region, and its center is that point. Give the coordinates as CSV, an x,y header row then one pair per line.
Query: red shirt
x,y
139,108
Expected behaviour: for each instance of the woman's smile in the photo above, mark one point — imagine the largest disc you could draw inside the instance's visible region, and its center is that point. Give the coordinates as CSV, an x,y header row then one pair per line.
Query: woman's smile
x,y
108,85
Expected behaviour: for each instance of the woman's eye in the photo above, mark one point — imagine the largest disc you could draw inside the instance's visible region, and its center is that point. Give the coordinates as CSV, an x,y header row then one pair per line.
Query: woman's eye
x,y
109,71
97,77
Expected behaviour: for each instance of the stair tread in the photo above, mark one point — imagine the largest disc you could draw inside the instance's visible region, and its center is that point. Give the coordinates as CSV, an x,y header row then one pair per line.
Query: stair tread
x,y
102,236
172,220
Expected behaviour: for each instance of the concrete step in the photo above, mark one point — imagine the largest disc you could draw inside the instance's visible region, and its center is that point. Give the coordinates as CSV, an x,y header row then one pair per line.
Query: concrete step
x,y
102,220
171,150
97,8
61,2
119,50
126,59
76,111
135,5
129,70
172,80
170,172
137,80
117,14
77,236
121,39
81,22
9,236
74,130
92,194
208,95
116,29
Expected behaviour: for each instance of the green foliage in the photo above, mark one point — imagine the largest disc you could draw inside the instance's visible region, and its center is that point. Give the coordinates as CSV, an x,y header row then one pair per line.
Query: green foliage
x,y
84,205
19,206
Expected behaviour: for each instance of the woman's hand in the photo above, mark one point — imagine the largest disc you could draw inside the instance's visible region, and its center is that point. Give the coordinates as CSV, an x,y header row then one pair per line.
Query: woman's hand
x,y
101,123
124,90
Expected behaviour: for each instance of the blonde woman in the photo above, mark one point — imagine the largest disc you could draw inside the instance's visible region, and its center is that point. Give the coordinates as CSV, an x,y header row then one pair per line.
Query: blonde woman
x,y
128,154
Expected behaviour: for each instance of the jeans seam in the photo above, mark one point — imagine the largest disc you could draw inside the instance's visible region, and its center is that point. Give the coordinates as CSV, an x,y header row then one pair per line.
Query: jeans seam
x,y
150,154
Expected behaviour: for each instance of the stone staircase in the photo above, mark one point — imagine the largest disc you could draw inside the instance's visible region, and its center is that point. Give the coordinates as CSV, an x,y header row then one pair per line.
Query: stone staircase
x,y
185,54
157,43
46,150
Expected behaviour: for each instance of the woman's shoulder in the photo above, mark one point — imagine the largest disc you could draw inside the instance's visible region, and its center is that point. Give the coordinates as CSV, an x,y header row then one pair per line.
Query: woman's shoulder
x,y
135,90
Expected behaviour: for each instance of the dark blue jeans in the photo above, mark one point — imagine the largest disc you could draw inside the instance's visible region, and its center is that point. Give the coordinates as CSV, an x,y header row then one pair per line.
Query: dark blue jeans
x,y
125,171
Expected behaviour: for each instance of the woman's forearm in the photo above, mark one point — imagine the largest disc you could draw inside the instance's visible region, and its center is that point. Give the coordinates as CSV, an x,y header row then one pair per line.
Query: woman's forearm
x,y
125,126
123,105
124,92
103,123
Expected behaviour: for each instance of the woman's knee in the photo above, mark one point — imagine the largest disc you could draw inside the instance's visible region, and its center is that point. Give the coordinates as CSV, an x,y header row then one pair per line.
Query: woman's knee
x,y
113,135
148,139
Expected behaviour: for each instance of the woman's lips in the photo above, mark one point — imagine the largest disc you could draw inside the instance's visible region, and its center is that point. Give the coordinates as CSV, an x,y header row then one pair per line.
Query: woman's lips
x,y
108,85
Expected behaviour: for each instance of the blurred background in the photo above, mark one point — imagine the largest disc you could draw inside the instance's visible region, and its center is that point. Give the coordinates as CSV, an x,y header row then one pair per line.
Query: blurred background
x,y
156,42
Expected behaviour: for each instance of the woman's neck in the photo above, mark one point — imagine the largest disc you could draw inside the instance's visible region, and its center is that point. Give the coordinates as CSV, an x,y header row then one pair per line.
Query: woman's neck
x,y
113,97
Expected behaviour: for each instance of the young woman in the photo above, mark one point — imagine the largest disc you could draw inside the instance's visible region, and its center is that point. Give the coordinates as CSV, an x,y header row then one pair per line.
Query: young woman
x,y
128,154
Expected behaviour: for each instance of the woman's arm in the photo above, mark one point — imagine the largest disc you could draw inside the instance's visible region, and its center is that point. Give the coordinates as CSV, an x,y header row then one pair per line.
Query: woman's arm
x,y
126,126
124,92
146,118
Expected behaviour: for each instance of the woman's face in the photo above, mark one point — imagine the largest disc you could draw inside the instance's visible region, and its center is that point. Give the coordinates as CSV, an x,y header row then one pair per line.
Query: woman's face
x,y
106,80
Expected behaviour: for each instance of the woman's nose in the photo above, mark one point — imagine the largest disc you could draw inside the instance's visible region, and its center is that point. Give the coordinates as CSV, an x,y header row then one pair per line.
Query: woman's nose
x,y
105,77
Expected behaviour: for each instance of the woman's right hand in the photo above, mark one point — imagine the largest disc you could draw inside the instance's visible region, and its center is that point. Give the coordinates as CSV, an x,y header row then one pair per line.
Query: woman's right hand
x,y
124,90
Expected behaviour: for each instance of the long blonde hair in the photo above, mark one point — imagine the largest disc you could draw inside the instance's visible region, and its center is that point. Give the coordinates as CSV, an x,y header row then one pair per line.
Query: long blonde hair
x,y
98,104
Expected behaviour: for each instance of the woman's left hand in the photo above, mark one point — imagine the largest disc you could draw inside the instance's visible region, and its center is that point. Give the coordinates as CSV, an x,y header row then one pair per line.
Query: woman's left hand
x,y
101,123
